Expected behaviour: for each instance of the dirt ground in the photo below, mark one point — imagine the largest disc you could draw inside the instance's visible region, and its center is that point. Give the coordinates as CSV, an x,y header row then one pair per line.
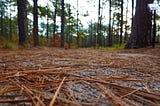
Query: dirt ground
x,y
80,77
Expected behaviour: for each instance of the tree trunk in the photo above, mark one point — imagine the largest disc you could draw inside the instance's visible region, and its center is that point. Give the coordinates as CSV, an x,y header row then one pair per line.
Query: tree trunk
x,y
22,21
62,24
98,25
54,20
132,10
47,31
10,22
77,27
69,32
110,30
141,28
126,29
2,13
121,29
35,24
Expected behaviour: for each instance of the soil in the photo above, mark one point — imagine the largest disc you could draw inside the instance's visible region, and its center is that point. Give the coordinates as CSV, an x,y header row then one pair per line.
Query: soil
x,y
80,77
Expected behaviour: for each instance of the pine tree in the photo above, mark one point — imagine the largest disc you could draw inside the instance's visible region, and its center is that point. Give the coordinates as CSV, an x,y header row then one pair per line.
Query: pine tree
x,y
35,24
22,21
141,28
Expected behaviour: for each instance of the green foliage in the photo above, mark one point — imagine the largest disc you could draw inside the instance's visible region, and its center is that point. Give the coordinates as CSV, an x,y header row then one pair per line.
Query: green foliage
x,y
114,47
9,45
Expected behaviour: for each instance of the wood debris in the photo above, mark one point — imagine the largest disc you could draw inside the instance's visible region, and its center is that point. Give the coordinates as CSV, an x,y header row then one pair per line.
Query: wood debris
x,y
80,77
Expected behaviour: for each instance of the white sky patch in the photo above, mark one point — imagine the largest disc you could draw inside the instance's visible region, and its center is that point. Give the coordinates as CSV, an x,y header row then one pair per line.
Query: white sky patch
x,y
87,6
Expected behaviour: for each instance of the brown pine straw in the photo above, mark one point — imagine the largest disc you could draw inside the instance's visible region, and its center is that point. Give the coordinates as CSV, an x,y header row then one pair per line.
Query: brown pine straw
x,y
116,100
30,94
56,93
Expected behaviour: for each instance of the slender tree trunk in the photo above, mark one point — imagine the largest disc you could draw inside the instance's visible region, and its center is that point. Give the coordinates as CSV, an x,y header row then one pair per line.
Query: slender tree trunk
x,y
98,24
132,10
141,28
10,22
47,32
77,26
126,34
91,35
54,20
2,33
69,32
121,29
5,25
110,30
100,28
35,24
62,24
22,21
154,30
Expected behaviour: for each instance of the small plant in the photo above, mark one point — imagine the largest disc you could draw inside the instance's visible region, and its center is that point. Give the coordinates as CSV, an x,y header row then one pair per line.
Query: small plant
x,y
9,45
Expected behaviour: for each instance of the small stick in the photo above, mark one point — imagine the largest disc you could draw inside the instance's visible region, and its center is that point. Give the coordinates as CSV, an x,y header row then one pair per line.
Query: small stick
x,y
56,93
129,93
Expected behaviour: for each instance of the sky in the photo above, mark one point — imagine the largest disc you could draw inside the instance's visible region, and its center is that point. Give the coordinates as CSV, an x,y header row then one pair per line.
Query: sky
x,y
87,7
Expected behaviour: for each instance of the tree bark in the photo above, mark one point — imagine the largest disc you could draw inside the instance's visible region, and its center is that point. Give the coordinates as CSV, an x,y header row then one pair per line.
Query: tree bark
x,y
110,28
141,28
22,21
10,22
78,38
62,24
2,13
35,24
54,20
121,29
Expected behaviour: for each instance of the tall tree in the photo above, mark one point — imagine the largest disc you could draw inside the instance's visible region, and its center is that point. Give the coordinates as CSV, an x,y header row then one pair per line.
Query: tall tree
x,y
110,29
121,28
47,30
141,28
10,20
69,27
22,21
126,24
62,23
54,20
132,10
35,24
99,40
78,38
2,14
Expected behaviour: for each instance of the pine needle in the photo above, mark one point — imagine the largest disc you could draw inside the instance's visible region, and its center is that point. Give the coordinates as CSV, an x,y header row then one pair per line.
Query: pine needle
x,y
56,93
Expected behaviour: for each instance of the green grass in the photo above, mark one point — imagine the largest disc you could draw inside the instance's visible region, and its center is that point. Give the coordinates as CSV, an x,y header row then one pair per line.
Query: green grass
x,y
114,47
9,45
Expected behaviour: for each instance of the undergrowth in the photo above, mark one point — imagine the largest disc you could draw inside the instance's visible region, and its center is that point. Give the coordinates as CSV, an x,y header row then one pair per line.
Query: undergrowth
x,y
113,47
9,45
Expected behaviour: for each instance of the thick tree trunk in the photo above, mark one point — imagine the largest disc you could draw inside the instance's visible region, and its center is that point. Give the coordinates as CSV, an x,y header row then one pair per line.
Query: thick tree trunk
x,y
35,24
22,21
141,28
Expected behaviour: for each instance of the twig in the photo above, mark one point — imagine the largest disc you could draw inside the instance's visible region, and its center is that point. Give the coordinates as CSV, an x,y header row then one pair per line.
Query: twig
x,y
117,101
30,93
56,93
129,93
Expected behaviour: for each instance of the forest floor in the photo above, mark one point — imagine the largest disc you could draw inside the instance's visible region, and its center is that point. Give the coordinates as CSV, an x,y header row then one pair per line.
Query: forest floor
x,y
80,77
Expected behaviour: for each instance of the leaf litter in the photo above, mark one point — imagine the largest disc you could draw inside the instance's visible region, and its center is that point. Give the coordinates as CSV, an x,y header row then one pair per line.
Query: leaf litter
x,y
80,77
